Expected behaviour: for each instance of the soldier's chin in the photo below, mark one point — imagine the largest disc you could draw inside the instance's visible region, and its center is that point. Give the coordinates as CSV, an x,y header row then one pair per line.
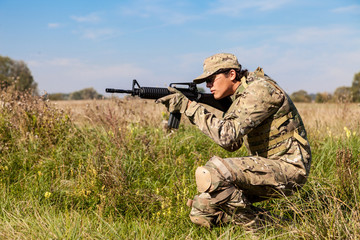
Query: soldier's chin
x,y
218,97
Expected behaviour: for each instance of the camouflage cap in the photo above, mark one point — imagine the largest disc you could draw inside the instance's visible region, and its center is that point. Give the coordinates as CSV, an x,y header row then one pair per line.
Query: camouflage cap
x,y
215,63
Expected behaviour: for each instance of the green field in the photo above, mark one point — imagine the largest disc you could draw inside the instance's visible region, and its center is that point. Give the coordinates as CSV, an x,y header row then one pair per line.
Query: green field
x,y
107,169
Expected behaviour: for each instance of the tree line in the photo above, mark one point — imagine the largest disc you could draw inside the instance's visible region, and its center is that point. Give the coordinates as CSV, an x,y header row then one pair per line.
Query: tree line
x,y
17,75
341,94
86,93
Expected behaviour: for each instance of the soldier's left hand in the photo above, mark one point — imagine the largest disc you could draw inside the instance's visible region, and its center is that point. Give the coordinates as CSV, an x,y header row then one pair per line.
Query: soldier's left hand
x,y
175,102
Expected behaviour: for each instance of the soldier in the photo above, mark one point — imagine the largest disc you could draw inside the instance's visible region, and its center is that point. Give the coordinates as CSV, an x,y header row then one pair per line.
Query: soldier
x,y
263,117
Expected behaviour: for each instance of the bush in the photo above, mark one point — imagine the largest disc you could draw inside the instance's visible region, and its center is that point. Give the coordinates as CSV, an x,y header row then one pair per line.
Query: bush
x,y
323,97
87,93
300,96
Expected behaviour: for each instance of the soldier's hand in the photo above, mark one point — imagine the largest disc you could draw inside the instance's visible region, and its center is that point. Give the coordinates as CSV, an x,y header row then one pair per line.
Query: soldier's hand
x,y
175,102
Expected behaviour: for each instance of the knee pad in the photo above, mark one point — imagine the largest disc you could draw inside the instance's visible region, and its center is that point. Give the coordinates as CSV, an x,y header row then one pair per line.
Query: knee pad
x,y
213,175
207,179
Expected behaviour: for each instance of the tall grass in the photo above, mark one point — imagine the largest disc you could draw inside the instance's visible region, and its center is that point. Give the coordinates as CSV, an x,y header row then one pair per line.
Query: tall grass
x,y
108,169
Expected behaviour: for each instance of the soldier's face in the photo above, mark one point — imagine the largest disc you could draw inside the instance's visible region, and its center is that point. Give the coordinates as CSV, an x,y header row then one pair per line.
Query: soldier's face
x,y
222,85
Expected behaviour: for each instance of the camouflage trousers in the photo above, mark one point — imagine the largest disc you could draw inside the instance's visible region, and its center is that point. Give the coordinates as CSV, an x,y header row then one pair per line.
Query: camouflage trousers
x,y
228,187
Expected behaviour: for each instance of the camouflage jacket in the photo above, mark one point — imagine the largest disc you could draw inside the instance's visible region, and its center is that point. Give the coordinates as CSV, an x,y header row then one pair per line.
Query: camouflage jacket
x,y
263,117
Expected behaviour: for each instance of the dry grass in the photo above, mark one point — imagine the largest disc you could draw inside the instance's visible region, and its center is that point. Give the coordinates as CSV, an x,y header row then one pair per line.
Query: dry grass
x,y
330,118
323,119
130,110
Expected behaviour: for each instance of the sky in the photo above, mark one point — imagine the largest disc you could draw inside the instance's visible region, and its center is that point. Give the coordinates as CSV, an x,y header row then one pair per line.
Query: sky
x,y
311,45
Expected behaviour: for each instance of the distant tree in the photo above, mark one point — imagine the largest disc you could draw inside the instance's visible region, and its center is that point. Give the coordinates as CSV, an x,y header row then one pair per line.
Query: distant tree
x,y
17,74
342,94
58,96
87,93
300,96
355,88
323,97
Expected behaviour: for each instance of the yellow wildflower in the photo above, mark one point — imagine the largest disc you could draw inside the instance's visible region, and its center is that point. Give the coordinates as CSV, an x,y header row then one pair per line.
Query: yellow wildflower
x,y
329,132
348,132
47,195
4,168
164,115
169,211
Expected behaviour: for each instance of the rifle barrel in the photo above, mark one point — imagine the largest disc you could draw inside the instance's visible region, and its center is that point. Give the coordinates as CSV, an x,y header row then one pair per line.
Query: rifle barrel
x,y
114,90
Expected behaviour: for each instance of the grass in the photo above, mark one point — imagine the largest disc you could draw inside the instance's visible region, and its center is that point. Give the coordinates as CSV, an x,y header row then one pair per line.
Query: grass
x,y
107,169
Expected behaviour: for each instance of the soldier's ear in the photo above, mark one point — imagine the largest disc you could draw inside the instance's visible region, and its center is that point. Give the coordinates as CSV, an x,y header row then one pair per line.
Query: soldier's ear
x,y
232,74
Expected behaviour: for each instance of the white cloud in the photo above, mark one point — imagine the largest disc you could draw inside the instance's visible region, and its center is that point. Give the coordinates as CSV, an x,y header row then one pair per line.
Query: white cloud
x,y
53,25
90,18
313,35
265,5
168,15
347,9
178,18
65,62
237,7
93,34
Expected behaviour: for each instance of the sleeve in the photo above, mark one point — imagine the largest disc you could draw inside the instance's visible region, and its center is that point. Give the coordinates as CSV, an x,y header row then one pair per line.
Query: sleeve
x,y
252,106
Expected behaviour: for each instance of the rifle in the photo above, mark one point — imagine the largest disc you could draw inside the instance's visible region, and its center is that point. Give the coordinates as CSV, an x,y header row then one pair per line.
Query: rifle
x,y
191,92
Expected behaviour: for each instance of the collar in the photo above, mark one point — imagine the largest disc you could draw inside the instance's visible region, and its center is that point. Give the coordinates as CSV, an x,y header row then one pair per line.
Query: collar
x,y
240,88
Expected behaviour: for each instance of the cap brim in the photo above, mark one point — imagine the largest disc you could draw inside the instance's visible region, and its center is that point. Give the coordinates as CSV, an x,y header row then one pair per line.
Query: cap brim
x,y
202,78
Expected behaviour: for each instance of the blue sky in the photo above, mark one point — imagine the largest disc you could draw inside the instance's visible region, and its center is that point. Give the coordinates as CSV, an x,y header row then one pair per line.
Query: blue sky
x,y
71,45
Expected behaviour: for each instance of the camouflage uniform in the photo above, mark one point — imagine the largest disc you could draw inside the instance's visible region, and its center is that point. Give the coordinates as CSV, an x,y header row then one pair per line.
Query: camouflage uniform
x,y
263,117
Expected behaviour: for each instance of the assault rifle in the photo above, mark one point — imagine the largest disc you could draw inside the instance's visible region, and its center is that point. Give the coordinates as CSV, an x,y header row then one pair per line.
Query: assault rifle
x,y
190,91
